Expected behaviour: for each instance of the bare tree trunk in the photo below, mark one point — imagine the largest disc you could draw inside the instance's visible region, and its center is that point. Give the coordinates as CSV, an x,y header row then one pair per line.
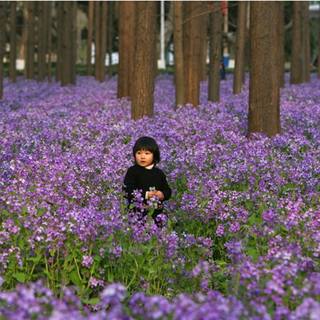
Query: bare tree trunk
x,y
73,40
43,37
60,33
306,41
23,42
264,89
30,40
296,59
49,29
68,45
247,42
143,86
127,26
281,43
90,36
192,53
104,21
13,41
178,51
110,36
240,47
215,48
97,38
204,42
2,43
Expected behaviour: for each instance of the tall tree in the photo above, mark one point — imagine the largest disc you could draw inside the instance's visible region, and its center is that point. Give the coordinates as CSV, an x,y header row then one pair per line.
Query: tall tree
x,y
215,48
178,51
43,38
49,28
204,41
29,68
240,47
100,17
281,40
305,41
296,75
2,43
67,46
110,36
127,26
60,32
192,51
264,89
144,55
90,36
13,41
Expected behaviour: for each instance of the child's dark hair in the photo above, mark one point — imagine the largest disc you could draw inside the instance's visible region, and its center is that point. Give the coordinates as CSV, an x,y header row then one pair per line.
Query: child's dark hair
x,y
147,143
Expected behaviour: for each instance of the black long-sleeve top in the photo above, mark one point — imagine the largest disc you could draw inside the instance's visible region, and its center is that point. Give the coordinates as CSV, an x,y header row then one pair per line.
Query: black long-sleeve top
x,y
140,178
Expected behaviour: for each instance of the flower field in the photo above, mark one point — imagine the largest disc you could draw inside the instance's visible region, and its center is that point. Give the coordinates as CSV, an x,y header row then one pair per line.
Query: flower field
x,y
243,236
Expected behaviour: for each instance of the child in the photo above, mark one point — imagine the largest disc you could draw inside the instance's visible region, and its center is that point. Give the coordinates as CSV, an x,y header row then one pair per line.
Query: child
x,y
145,177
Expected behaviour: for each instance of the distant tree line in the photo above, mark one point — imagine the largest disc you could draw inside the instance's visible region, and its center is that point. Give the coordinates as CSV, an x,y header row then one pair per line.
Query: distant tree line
x,y
50,36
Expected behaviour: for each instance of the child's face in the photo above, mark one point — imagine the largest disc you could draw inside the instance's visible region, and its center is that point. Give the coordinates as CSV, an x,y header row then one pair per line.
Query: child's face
x,y
144,158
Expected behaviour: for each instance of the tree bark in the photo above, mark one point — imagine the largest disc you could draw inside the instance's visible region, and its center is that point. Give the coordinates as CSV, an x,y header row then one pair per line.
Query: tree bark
x,y
306,41
30,40
2,43
68,45
43,37
204,41
178,51
110,37
192,51
60,32
143,84
127,26
215,48
13,41
280,45
297,58
240,47
90,36
264,89
49,29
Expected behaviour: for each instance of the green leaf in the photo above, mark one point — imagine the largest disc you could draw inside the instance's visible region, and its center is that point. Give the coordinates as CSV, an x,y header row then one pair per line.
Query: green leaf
x,y
75,279
20,276
91,301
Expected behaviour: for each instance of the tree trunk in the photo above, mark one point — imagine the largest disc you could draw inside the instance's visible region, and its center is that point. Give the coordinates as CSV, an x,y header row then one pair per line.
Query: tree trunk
x,y
297,58
2,43
30,40
178,51
204,42
104,21
97,38
90,36
143,84
60,33
13,41
264,89
110,37
127,26
281,40
247,43
240,47
73,40
49,29
192,51
68,45
215,52
43,37
306,41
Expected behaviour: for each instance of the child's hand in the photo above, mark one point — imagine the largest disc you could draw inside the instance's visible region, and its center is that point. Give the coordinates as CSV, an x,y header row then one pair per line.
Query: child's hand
x,y
156,193
159,194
